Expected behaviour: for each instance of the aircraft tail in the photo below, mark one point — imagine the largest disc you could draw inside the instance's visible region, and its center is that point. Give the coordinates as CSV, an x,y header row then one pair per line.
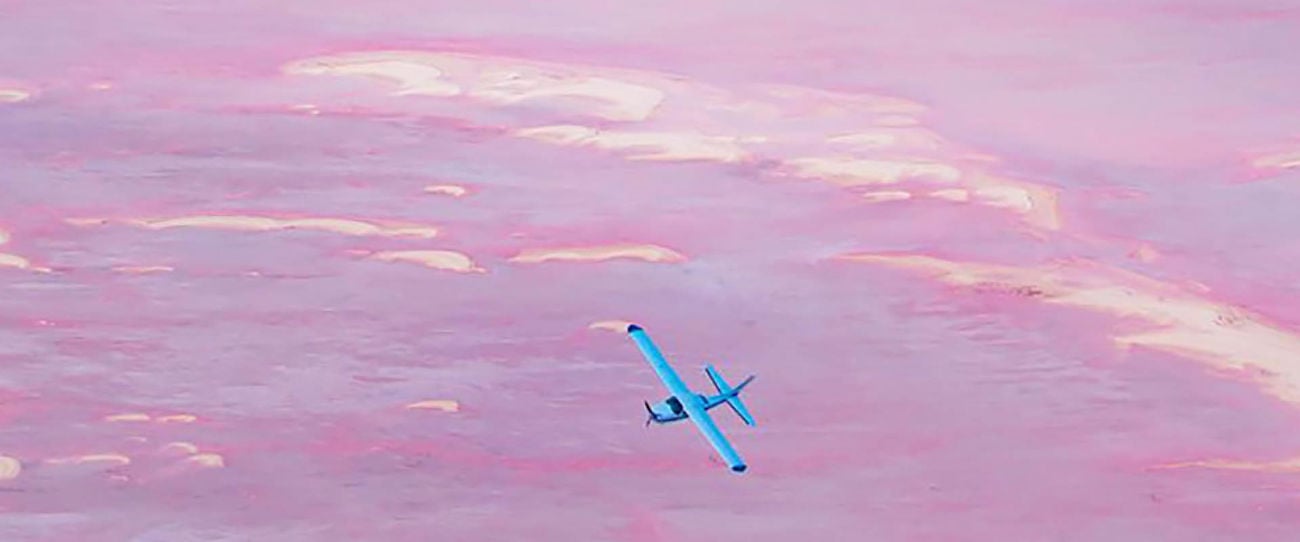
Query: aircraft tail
x,y
731,394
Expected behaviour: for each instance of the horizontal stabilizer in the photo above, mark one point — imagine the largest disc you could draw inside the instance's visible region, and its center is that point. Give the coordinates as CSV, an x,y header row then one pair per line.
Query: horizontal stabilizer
x,y
731,395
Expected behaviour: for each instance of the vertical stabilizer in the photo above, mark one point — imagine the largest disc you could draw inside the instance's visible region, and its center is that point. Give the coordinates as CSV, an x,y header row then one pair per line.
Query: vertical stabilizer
x,y
731,395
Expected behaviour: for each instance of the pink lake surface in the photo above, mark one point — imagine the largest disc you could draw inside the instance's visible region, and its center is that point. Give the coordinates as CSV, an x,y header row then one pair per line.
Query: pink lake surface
x,y
300,271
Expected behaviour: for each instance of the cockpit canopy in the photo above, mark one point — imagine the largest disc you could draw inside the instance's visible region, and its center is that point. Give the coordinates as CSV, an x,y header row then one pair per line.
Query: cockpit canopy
x,y
668,410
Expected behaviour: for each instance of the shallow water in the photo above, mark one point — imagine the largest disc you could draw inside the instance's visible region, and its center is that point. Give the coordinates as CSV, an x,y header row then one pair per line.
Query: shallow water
x,y
1006,271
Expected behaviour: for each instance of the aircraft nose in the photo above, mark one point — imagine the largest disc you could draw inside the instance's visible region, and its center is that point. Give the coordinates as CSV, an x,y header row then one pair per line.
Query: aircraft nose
x,y
633,328
740,468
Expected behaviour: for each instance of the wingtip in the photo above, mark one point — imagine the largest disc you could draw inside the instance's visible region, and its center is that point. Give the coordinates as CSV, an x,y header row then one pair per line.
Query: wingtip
x,y
633,328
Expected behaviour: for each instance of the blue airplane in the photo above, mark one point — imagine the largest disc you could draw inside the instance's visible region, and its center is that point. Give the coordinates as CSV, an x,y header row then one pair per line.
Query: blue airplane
x,y
686,404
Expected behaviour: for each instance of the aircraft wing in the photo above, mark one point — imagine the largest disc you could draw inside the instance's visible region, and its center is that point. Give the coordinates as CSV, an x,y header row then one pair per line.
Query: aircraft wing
x,y
658,363
696,413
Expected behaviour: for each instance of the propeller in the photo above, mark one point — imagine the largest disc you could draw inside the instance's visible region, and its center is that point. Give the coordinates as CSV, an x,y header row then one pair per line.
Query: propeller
x,y
652,413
